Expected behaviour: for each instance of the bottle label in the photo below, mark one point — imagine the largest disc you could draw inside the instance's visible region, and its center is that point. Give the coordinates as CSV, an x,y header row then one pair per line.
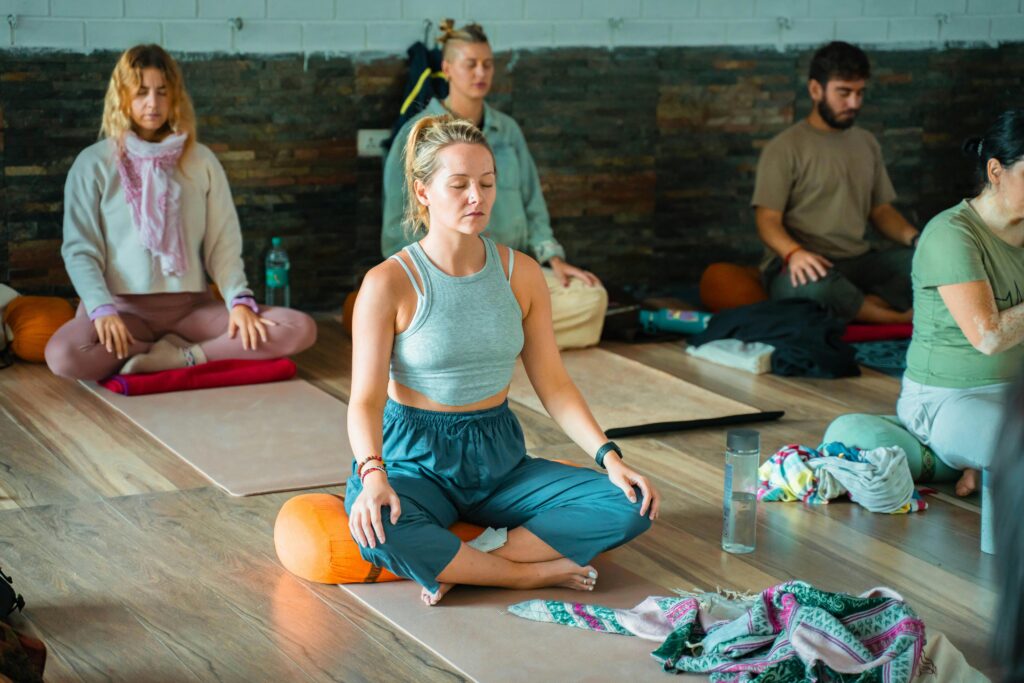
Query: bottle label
x,y
277,277
684,316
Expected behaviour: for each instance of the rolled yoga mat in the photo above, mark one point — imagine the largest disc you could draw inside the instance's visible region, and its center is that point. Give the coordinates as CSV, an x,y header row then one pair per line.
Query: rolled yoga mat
x,y
249,439
472,630
629,398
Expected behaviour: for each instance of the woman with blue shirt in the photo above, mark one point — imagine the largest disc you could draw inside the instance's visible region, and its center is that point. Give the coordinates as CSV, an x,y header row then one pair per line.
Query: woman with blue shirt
x,y
519,218
438,329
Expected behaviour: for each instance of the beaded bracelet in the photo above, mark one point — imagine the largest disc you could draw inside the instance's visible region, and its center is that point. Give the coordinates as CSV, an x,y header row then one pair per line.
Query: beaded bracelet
x,y
362,476
359,469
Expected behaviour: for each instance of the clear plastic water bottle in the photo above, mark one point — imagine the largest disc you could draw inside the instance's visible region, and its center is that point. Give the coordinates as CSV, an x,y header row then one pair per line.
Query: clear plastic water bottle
x,y
988,534
278,290
739,502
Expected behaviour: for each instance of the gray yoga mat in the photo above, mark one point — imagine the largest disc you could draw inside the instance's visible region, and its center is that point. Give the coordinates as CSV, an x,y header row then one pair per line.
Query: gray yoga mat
x,y
472,630
249,439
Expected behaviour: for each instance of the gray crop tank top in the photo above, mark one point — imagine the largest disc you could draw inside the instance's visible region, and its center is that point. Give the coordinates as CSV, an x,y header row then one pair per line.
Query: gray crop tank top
x,y
462,343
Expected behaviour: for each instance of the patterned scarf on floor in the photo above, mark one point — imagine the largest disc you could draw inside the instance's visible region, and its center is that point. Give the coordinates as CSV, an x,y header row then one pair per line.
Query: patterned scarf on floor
x,y
790,633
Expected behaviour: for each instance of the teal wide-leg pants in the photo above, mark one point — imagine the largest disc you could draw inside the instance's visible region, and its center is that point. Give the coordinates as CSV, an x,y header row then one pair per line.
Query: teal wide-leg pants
x,y
473,467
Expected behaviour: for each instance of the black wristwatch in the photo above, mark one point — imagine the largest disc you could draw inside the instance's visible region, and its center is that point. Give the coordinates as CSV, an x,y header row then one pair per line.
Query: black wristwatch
x,y
604,450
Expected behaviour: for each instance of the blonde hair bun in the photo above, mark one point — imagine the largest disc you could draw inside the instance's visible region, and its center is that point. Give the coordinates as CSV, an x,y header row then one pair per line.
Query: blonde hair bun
x,y
470,33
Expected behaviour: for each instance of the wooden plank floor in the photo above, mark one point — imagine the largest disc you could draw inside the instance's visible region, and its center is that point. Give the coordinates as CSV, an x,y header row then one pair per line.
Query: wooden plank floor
x,y
135,568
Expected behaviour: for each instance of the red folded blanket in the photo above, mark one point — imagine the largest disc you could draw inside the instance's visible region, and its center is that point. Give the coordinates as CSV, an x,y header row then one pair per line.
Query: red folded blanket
x,y
217,373
864,333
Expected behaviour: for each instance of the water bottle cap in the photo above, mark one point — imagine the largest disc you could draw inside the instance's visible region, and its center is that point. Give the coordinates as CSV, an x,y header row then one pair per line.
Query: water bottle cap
x,y
276,241
743,440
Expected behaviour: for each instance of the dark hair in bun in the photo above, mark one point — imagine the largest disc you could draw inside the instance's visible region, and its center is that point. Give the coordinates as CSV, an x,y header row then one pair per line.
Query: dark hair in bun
x,y
1003,141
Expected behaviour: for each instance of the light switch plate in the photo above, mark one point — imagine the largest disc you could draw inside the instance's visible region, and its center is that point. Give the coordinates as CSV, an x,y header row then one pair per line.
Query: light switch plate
x,y
368,141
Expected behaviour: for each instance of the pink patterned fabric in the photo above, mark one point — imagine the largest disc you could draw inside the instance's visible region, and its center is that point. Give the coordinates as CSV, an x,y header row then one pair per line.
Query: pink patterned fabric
x,y
146,170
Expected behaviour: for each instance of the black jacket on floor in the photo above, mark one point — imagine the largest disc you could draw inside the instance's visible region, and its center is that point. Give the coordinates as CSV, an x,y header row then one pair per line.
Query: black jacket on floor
x,y
807,340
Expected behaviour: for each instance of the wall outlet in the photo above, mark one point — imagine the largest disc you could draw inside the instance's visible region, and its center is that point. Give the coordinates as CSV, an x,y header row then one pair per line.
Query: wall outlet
x,y
368,141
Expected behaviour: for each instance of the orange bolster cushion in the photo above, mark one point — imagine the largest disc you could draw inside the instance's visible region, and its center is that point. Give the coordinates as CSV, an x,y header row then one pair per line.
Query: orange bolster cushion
x,y
33,320
313,541
728,285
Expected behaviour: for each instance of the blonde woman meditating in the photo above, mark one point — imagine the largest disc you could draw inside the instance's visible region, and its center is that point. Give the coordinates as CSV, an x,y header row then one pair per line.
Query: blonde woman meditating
x,y
519,215
148,216
438,328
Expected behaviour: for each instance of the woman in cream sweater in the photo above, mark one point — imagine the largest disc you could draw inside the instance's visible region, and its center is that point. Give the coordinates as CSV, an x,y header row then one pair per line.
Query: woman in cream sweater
x,y
148,216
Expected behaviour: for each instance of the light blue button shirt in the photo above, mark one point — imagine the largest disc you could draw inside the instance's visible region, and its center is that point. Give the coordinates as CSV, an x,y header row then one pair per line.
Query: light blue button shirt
x,y
519,217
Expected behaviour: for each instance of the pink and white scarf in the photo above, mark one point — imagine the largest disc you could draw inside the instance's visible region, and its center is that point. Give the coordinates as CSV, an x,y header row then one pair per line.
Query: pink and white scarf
x,y
146,170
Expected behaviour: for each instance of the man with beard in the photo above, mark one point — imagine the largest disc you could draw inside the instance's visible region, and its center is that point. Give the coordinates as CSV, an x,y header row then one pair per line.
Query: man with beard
x,y
818,184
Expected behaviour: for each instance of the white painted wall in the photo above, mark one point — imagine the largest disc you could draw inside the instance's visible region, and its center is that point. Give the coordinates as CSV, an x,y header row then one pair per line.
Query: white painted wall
x,y
389,26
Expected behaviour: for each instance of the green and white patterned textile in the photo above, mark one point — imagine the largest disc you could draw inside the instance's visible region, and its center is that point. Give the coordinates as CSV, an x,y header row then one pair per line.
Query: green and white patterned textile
x,y
790,633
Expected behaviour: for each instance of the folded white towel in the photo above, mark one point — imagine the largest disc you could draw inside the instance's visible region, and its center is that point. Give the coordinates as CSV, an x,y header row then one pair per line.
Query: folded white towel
x,y
755,357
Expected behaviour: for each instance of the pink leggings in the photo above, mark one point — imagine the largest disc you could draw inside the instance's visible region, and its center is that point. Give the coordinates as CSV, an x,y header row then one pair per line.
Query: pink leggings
x,y
75,352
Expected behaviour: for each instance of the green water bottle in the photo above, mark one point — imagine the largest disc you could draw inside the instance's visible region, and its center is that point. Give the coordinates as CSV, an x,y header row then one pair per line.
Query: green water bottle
x,y
277,264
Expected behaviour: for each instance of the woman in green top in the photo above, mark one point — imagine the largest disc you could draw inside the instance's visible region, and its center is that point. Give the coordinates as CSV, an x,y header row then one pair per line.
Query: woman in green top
x,y
519,216
968,279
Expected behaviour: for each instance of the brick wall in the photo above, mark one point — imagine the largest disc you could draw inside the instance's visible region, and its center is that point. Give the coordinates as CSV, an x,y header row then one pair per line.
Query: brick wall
x,y
647,155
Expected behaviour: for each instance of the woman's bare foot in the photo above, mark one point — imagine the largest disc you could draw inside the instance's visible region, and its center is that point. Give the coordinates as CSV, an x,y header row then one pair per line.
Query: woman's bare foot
x,y
431,599
561,572
968,483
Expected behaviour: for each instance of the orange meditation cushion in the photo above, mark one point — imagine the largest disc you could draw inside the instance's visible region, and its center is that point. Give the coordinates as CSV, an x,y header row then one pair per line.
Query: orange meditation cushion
x,y
728,285
33,320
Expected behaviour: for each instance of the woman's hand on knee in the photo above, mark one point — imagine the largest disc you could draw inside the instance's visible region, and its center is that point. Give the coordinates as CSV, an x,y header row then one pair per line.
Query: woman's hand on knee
x,y
114,334
364,519
252,327
626,478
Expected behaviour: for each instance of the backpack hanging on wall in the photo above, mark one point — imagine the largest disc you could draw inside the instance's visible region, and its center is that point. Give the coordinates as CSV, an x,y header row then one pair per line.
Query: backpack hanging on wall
x,y
425,82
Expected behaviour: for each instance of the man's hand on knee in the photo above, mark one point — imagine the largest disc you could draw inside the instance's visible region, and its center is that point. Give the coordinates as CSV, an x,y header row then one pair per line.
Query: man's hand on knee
x,y
806,266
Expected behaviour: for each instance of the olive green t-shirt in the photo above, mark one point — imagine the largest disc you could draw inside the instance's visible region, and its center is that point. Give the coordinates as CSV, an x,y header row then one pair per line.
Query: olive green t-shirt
x,y
825,183
957,246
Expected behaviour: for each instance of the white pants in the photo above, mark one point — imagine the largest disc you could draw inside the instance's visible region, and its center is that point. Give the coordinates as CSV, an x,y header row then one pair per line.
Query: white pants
x,y
960,425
